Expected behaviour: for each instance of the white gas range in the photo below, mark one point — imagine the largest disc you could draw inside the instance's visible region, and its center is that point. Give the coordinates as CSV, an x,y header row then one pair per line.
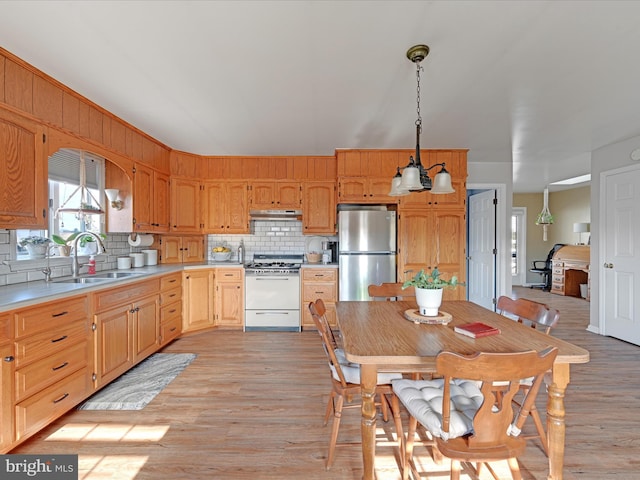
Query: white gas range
x,y
272,293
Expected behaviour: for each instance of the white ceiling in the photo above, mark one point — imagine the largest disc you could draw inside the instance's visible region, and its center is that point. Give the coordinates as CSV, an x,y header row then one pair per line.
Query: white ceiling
x,y
539,84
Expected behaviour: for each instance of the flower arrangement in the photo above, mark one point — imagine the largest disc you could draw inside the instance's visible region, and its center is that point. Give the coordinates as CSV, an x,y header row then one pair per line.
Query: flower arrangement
x,y
432,281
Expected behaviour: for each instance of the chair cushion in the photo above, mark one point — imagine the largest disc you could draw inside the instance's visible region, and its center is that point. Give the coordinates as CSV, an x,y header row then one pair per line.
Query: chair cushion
x,y
423,400
351,371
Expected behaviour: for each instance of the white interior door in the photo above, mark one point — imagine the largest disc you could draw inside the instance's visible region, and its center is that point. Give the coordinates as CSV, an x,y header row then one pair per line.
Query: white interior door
x,y
620,275
481,260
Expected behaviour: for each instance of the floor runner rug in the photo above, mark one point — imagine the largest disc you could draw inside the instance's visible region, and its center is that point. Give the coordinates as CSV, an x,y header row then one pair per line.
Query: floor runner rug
x,y
137,387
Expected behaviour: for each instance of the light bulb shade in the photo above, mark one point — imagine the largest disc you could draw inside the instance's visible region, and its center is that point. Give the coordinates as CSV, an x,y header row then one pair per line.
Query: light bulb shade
x,y
442,183
582,227
396,188
112,194
411,179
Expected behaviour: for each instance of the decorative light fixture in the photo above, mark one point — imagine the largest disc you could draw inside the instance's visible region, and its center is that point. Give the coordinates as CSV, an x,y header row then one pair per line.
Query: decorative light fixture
x,y
544,217
580,228
112,196
415,177
88,205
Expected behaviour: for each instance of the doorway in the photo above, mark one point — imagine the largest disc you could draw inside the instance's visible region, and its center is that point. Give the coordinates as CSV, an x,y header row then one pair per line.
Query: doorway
x,y
518,246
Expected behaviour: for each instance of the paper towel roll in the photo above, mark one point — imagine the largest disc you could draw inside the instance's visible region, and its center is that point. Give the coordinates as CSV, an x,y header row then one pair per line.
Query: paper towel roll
x,y
142,240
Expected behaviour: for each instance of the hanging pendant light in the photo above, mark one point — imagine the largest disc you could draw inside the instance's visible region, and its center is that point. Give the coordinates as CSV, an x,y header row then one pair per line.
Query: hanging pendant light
x,y
544,217
415,177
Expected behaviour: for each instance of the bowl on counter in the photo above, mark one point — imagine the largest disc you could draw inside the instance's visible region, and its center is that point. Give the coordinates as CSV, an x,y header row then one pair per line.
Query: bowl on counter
x,y
314,257
221,256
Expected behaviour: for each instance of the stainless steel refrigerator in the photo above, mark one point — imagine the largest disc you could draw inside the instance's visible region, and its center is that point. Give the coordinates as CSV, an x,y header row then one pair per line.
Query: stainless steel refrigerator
x,y
367,251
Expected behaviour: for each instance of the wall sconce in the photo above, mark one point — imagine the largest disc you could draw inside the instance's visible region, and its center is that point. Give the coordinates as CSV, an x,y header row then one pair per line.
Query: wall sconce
x,y
112,195
580,228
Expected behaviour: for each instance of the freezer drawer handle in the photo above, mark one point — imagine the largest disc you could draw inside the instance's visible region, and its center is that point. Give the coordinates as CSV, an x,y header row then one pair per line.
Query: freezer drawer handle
x,y
272,313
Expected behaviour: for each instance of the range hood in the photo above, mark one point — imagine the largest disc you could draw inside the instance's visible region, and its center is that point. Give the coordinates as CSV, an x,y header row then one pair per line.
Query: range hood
x,y
275,214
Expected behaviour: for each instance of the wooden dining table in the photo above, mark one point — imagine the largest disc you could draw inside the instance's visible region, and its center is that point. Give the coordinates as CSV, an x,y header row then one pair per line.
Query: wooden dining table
x,y
377,335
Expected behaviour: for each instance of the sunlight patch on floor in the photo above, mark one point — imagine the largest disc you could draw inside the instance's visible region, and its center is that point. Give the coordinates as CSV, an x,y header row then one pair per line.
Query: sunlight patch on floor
x,y
122,467
95,432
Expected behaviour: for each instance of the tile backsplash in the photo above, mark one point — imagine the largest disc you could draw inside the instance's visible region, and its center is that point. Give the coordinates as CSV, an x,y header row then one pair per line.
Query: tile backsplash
x,y
267,236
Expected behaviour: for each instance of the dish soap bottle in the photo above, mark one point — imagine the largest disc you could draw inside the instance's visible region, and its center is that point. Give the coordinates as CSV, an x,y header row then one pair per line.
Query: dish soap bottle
x,y
241,252
92,265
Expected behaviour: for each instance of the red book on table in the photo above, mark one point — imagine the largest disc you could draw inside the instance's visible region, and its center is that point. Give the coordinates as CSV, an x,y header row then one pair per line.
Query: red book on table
x,y
476,330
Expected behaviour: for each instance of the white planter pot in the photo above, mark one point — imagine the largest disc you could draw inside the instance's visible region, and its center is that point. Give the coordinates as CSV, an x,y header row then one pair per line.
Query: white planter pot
x,y
429,301
37,251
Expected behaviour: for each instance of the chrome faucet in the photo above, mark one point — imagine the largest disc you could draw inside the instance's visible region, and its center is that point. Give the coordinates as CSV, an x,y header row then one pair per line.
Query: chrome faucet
x,y
75,265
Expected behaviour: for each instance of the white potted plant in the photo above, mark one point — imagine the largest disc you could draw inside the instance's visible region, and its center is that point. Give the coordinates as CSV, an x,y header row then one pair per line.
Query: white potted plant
x,y
429,288
36,246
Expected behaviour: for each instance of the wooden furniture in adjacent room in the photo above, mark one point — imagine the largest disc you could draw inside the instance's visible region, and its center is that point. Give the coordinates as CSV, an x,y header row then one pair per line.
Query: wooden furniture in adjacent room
x,y
390,291
378,337
570,269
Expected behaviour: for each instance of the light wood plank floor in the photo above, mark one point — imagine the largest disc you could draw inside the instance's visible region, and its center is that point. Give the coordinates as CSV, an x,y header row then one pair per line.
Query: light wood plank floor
x,y
251,407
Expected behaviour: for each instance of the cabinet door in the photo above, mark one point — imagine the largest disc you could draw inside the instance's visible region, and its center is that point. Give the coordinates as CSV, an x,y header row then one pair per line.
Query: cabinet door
x,y
185,205
114,344
236,199
171,249
319,208
161,206
143,198
352,190
6,396
263,195
198,299
146,338
213,207
23,183
288,195
229,304
192,249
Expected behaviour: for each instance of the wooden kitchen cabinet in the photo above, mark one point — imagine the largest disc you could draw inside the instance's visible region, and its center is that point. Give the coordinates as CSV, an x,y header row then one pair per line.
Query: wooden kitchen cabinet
x,y
185,205
225,207
319,283
181,248
23,183
319,208
266,195
170,307
198,294
150,200
6,382
433,238
229,297
53,362
365,190
127,326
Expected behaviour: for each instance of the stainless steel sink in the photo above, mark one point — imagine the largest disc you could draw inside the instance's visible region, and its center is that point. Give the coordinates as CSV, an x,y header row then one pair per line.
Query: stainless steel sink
x,y
82,280
115,275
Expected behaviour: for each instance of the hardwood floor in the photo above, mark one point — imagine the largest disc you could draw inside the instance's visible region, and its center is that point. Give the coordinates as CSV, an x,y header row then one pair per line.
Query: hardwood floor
x,y
251,407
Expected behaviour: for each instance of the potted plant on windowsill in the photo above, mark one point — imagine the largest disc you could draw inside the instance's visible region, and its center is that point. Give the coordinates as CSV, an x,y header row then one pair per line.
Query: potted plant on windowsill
x,y
36,246
429,288
86,245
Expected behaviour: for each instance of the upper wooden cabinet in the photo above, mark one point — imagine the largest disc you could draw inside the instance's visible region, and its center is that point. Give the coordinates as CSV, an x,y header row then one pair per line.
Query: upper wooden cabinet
x,y
275,195
23,183
185,205
365,190
319,207
150,200
224,208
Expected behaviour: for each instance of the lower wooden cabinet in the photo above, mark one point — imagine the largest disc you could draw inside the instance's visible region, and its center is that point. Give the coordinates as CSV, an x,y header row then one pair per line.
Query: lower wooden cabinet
x,y
319,283
229,297
170,307
6,395
197,291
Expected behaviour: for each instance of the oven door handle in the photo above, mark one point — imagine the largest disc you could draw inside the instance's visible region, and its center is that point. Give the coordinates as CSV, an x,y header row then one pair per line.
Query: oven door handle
x,y
272,278
272,312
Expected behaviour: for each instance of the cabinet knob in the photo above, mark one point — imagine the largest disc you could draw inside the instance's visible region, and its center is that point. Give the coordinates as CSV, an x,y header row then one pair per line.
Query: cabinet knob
x,y
10,358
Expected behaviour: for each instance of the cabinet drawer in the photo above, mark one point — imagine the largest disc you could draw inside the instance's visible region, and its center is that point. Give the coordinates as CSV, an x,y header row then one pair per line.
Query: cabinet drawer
x,y
318,275
170,330
41,374
557,270
48,343
38,410
171,281
51,315
170,296
557,288
125,294
228,275
169,312
325,291
557,278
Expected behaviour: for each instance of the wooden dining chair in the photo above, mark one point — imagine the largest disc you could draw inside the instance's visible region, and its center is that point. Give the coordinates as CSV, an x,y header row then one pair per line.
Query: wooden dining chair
x,y
389,291
470,412
540,317
345,382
